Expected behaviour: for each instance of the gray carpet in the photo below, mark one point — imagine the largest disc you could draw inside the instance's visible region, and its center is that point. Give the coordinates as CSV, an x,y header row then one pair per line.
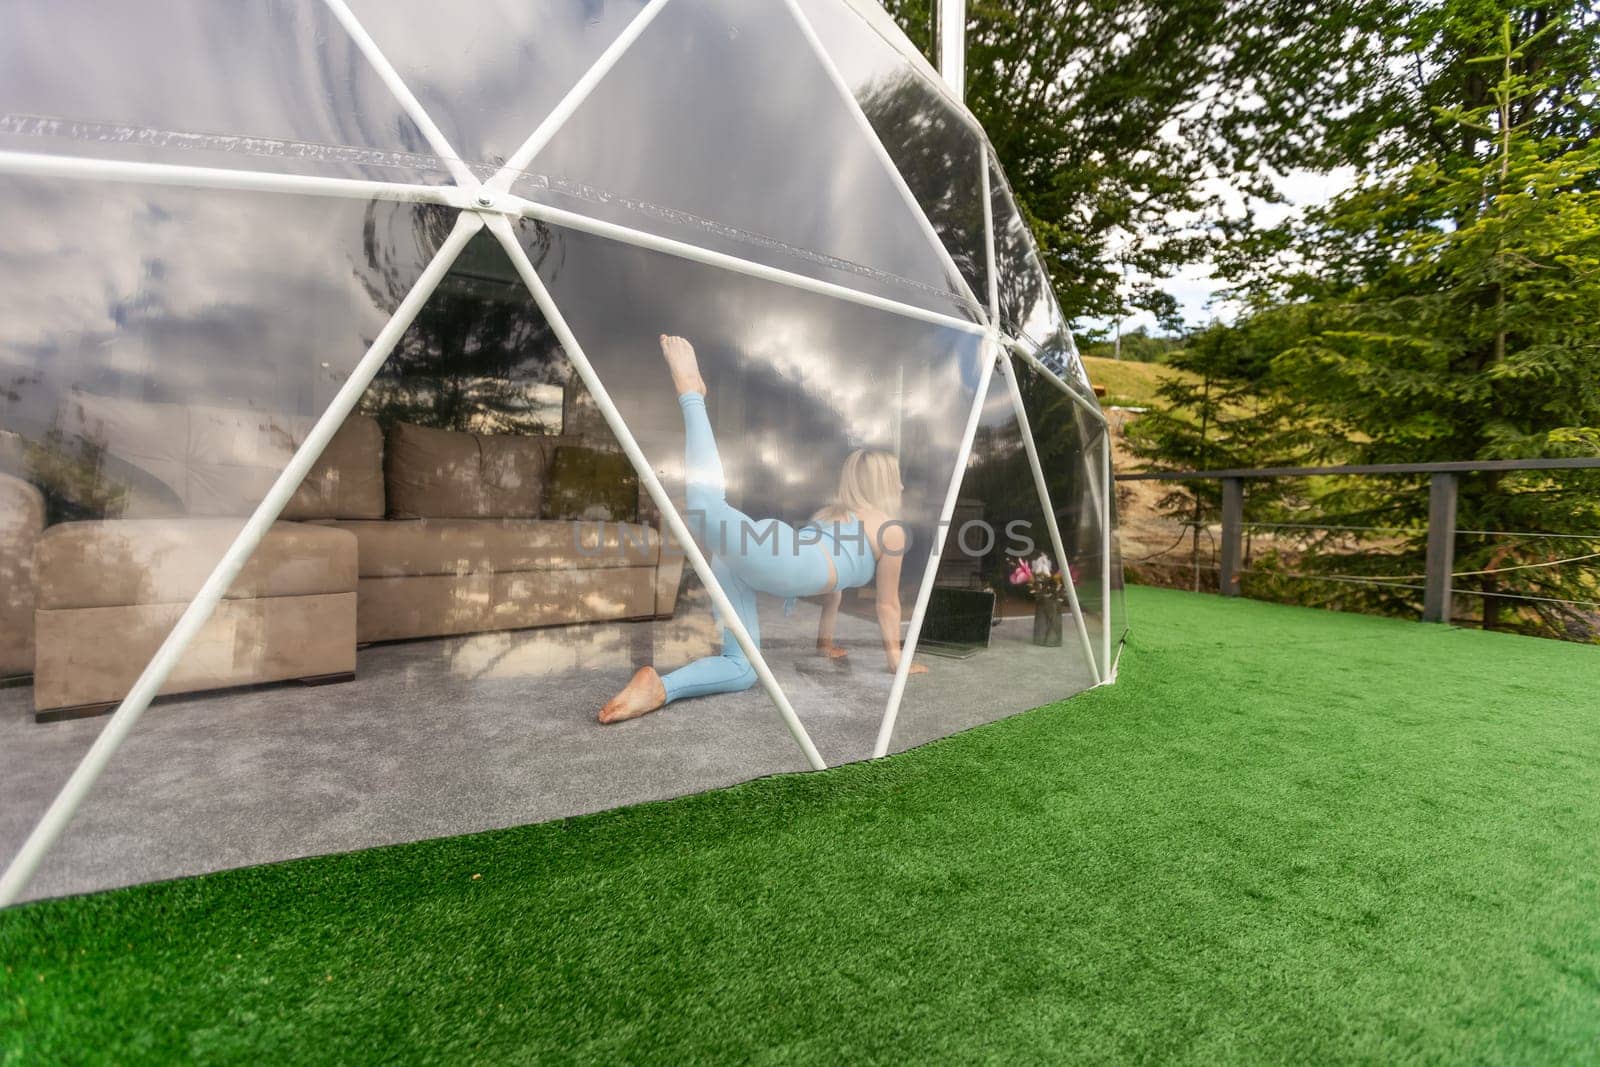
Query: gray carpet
x,y
450,736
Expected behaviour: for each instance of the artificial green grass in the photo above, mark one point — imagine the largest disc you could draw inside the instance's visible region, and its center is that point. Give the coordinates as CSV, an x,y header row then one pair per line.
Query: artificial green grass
x,y
1284,835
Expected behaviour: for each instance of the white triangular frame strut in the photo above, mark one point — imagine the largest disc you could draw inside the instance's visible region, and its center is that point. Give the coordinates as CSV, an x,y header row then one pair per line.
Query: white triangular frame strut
x,y
919,610
924,593
881,151
468,222
1101,487
1103,671
402,93
479,204
200,608
574,98
503,232
1038,263
79,168
1107,542
1050,523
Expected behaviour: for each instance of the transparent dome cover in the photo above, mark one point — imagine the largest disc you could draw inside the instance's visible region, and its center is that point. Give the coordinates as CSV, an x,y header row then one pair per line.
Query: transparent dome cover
x,y
417,419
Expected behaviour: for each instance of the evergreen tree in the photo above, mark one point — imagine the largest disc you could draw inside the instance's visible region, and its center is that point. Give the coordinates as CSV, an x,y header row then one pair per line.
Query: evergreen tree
x,y
1129,129
1445,309
1220,413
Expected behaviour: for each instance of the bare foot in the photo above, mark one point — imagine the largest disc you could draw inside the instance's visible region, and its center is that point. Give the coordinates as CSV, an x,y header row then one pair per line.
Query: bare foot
x,y
831,650
915,668
683,365
643,694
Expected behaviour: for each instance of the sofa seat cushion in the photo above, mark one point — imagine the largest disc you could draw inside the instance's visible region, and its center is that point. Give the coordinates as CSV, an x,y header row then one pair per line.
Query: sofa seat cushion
x,y
94,655
120,562
401,548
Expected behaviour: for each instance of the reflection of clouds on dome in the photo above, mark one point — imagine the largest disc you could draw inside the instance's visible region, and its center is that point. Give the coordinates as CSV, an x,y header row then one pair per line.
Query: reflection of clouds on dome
x,y
173,294
997,407
796,379
752,136
254,299
745,131
489,76
281,70
937,152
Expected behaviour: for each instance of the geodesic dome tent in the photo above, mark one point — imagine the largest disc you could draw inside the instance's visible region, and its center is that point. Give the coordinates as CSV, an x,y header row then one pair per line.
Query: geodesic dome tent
x,y
329,352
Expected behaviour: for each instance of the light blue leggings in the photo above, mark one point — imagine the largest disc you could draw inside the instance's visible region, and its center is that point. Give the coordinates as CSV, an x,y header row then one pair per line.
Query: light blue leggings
x,y
747,557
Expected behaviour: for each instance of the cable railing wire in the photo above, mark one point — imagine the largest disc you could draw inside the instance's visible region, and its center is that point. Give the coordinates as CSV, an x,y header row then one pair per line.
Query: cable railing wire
x,y
1351,580
1382,581
1453,574
1327,526
1417,530
1585,604
1528,533
1473,574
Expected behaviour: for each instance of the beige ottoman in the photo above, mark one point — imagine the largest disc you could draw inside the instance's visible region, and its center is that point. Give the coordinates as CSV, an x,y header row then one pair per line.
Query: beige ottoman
x,y
110,591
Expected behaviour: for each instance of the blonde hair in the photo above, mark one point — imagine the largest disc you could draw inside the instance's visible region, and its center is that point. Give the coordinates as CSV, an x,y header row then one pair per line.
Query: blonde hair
x,y
868,480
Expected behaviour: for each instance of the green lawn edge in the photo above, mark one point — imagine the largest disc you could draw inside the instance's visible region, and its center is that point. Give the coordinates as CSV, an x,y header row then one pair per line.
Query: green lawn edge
x,y
1284,834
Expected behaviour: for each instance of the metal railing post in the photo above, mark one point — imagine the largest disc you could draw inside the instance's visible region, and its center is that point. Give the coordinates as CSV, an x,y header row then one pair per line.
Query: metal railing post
x,y
1441,547
1107,535
1443,493
1232,535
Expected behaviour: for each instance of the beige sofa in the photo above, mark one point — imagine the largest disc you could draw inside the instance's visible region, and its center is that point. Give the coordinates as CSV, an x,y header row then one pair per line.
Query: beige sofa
x,y
475,542
174,484
110,591
423,533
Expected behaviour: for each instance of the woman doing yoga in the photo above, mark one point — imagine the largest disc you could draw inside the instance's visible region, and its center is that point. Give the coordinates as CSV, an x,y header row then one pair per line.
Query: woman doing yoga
x,y
856,539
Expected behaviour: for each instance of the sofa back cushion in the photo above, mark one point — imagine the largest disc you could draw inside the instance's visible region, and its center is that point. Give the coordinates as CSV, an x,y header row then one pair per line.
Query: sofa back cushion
x,y
347,480
197,459
591,483
117,458
234,455
447,474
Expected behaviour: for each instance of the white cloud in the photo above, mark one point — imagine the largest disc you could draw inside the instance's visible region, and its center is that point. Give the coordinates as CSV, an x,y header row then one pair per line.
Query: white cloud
x,y
1195,286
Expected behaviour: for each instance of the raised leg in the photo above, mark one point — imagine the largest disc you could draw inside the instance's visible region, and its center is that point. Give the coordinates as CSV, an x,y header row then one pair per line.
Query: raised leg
x,y
767,555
